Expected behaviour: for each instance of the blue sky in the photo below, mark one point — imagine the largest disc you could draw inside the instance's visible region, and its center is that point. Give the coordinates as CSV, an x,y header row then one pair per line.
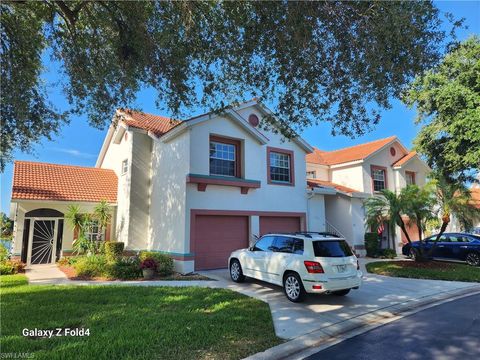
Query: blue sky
x,y
79,144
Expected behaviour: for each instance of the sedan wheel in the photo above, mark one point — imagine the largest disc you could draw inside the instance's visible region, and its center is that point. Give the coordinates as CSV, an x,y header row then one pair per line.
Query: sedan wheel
x,y
413,254
236,273
473,259
293,288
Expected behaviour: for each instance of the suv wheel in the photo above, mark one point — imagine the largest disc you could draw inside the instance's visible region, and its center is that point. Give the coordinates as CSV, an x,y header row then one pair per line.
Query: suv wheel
x,y
341,292
413,254
236,273
293,287
473,259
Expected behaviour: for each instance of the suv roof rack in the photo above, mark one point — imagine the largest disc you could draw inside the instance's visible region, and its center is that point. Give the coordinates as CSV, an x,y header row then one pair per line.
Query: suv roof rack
x,y
322,233
307,234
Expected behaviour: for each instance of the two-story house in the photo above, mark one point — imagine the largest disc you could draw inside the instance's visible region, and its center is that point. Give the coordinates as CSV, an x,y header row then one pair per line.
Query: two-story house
x,y
361,171
195,189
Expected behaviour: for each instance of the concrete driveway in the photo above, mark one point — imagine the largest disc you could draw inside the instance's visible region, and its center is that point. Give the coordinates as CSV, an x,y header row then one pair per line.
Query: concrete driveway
x,y
378,296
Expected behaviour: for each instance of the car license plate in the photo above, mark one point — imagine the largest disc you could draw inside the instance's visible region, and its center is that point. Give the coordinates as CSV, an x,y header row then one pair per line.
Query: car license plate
x,y
341,268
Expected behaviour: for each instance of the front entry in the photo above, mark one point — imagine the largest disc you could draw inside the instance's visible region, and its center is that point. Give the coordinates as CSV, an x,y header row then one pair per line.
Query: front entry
x,y
43,241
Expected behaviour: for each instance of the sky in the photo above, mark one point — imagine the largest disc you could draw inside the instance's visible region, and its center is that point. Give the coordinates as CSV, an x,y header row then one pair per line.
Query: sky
x,y
78,143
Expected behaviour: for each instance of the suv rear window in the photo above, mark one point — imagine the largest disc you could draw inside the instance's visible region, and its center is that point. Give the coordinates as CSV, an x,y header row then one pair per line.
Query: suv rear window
x,y
331,248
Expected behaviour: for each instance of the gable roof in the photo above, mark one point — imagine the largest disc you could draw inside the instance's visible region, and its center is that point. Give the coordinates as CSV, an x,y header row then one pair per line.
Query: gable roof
x,y
156,124
43,181
349,154
404,159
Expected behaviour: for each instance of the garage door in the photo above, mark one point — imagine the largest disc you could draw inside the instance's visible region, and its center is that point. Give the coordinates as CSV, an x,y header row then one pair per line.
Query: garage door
x,y
216,237
271,224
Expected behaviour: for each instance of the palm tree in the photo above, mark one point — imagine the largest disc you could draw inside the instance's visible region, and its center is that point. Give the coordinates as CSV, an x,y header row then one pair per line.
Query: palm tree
x,y
418,203
386,208
453,199
102,213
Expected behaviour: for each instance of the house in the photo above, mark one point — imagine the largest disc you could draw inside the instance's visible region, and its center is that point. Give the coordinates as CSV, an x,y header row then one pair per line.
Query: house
x,y
200,188
359,172
194,189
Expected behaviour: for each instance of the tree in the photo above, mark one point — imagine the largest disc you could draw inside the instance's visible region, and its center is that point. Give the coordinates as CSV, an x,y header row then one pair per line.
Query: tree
x,y
102,213
315,61
387,208
447,99
6,226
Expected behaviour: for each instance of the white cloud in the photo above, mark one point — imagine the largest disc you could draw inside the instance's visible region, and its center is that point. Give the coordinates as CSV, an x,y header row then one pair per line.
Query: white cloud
x,y
76,153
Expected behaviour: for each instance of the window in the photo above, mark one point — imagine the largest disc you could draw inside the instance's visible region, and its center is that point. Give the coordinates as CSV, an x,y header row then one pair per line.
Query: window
x,y
337,248
458,238
124,166
289,245
224,157
410,177
93,232
264,244
280,166
311,174
379,178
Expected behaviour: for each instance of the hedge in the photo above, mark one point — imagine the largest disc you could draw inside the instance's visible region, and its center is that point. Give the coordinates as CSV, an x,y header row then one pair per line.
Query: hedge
x,y
372,244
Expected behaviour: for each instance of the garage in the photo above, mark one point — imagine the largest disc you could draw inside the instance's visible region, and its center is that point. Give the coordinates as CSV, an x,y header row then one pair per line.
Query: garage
x,y
215,237
271,224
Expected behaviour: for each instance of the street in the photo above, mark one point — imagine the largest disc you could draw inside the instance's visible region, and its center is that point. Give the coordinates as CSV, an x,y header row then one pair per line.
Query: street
x,y
445,332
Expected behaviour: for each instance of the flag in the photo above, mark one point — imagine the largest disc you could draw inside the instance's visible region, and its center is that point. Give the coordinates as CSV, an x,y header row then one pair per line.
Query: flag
x,y
380,229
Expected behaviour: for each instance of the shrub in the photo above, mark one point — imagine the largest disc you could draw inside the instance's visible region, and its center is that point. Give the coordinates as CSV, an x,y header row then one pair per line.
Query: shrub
x,y
125,268
90,266
3,253
372,243
63,261
388,253
113,250
165,262
10,267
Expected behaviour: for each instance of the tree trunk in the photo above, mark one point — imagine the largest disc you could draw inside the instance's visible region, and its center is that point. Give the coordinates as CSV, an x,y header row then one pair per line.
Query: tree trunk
x,y
442,230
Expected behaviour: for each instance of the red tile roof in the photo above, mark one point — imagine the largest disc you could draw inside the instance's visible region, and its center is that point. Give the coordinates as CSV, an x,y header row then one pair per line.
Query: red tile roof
x,y
353,153
404,159
42,181
475,193
158,125
319,183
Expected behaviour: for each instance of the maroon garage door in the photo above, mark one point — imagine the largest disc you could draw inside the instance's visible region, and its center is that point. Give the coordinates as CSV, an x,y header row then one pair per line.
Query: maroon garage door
x,y
271,224
216,237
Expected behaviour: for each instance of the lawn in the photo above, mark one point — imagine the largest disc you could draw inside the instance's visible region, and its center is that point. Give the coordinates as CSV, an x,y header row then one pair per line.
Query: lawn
x,y
434,270
133,322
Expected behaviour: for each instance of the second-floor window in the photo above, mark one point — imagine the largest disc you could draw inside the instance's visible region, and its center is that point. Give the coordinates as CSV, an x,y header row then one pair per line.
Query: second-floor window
x,y
224,157
280,166
410,177
124,166
311,174
379,178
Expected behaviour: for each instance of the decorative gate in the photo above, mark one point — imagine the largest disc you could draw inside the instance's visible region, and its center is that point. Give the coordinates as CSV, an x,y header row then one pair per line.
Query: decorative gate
x,y
43,241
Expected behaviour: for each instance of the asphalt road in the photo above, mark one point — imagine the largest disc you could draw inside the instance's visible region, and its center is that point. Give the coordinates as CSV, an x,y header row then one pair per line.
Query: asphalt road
x,y
449,331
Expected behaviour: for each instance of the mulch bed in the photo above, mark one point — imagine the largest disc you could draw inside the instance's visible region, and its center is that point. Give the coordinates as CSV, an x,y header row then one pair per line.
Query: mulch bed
x,y
437,265
72,275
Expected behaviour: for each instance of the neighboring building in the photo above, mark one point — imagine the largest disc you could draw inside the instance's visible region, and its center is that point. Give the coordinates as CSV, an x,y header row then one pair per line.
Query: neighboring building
x,y
361,171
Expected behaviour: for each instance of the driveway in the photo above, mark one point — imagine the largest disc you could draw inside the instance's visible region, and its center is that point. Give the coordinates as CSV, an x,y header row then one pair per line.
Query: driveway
x,y
378,296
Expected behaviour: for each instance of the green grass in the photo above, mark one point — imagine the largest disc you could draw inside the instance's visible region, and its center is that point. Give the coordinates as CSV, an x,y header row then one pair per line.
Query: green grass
x,y
133,322
431,270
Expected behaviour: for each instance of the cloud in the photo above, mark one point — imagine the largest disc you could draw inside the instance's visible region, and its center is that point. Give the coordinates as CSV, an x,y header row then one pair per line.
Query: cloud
x,y
76,153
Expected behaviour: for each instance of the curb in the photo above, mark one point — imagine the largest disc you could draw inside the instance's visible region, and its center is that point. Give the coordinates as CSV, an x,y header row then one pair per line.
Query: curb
x,y
335,333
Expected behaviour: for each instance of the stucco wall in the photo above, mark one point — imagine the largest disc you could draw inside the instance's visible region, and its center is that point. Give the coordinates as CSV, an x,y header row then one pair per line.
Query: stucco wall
x,y
338,212
139,191
170,165
316,213
114,156
351,177
321,172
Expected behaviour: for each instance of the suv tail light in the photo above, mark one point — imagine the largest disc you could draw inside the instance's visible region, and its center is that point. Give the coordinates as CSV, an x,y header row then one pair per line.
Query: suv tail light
x,y
313,267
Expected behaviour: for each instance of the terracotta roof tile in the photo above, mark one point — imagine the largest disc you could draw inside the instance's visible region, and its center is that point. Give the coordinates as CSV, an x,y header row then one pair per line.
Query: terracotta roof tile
x,y
353,153
319,183
475,193
158,125
404,159
42,181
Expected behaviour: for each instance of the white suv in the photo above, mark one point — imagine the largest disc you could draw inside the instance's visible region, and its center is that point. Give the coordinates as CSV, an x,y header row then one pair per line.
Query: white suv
x,y
304,262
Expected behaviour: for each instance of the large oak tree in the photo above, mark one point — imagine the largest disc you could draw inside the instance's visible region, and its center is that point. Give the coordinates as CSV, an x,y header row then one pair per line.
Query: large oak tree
x,y
331,61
